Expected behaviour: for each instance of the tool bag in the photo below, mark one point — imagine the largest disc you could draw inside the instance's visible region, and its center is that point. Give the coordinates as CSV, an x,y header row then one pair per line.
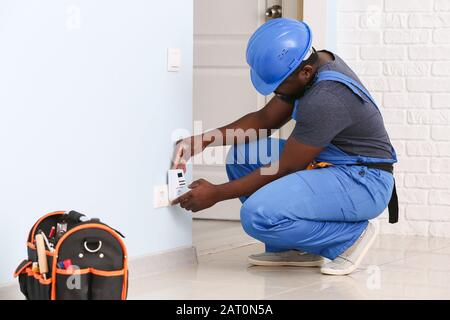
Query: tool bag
x,y
88,260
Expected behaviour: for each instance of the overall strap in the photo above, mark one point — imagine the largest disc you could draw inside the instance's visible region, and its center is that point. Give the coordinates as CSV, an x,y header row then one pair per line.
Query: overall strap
x,y
351,83
361,92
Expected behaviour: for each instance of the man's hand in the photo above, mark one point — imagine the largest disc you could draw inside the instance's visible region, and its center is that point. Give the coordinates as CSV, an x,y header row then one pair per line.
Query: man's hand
x,y
201,196
185,149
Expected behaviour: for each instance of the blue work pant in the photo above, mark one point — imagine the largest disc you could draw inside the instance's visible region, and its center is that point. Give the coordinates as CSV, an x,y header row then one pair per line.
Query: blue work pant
x,y
321,211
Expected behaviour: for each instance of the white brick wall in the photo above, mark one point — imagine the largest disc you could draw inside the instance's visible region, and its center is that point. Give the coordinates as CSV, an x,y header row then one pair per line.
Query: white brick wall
x,y
401,51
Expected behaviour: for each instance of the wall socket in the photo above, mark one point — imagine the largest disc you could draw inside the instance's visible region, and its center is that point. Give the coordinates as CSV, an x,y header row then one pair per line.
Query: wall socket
x,y
160,196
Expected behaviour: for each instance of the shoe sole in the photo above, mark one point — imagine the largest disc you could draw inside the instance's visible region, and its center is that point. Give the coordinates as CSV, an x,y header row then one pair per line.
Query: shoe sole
x,y
349,270
316,263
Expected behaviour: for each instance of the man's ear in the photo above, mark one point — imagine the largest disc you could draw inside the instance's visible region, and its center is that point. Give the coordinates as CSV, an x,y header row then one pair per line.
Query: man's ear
x,y
306,73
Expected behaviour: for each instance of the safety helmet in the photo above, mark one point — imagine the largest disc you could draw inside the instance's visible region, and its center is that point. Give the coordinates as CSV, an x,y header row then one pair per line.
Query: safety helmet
x,y
275,50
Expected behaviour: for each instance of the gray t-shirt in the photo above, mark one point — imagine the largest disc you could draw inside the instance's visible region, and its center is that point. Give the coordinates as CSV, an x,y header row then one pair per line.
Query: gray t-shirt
x,y
330,112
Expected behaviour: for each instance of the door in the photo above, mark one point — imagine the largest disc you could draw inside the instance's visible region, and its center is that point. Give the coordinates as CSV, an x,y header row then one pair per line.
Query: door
x,y
222,88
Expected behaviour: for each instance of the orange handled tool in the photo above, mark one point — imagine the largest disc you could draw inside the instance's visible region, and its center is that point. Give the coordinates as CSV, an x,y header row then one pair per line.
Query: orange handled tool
x,y
42,257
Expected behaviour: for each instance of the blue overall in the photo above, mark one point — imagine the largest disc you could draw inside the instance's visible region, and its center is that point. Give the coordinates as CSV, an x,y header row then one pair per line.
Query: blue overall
x,y
321,211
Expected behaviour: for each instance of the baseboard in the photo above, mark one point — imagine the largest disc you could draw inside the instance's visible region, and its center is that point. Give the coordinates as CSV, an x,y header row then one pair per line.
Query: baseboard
x,y
162,261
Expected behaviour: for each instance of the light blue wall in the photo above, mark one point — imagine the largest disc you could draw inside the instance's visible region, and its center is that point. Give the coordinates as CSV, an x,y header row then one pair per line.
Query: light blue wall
x,y
86,116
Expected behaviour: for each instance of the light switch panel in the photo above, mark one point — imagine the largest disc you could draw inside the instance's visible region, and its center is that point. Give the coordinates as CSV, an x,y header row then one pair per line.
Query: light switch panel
x,y
173,59
160,196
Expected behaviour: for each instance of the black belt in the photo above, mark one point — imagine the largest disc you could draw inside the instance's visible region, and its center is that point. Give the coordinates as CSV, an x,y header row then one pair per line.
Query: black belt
x,y
393,202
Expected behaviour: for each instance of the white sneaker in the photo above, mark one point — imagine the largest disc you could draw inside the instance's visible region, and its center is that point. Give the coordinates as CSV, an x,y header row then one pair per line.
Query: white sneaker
x,y
351,258
291,258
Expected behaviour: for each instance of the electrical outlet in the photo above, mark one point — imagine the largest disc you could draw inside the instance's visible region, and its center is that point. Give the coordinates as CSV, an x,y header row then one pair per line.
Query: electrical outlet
x,y
160,196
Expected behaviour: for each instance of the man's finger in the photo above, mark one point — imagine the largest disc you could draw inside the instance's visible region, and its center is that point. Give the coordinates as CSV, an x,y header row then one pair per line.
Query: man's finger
x,y
177,158
184,204
176,201
181,198
194,184
181,165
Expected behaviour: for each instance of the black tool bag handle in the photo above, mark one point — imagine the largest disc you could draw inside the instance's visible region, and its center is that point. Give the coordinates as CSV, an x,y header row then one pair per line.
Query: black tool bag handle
x,y
75,216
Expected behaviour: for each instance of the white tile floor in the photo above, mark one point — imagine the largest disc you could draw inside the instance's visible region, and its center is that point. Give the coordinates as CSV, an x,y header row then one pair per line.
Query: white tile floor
x,y
397,267
212,236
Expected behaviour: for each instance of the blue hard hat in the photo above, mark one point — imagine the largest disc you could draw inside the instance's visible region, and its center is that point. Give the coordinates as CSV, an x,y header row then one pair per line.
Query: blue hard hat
x,y
275,50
